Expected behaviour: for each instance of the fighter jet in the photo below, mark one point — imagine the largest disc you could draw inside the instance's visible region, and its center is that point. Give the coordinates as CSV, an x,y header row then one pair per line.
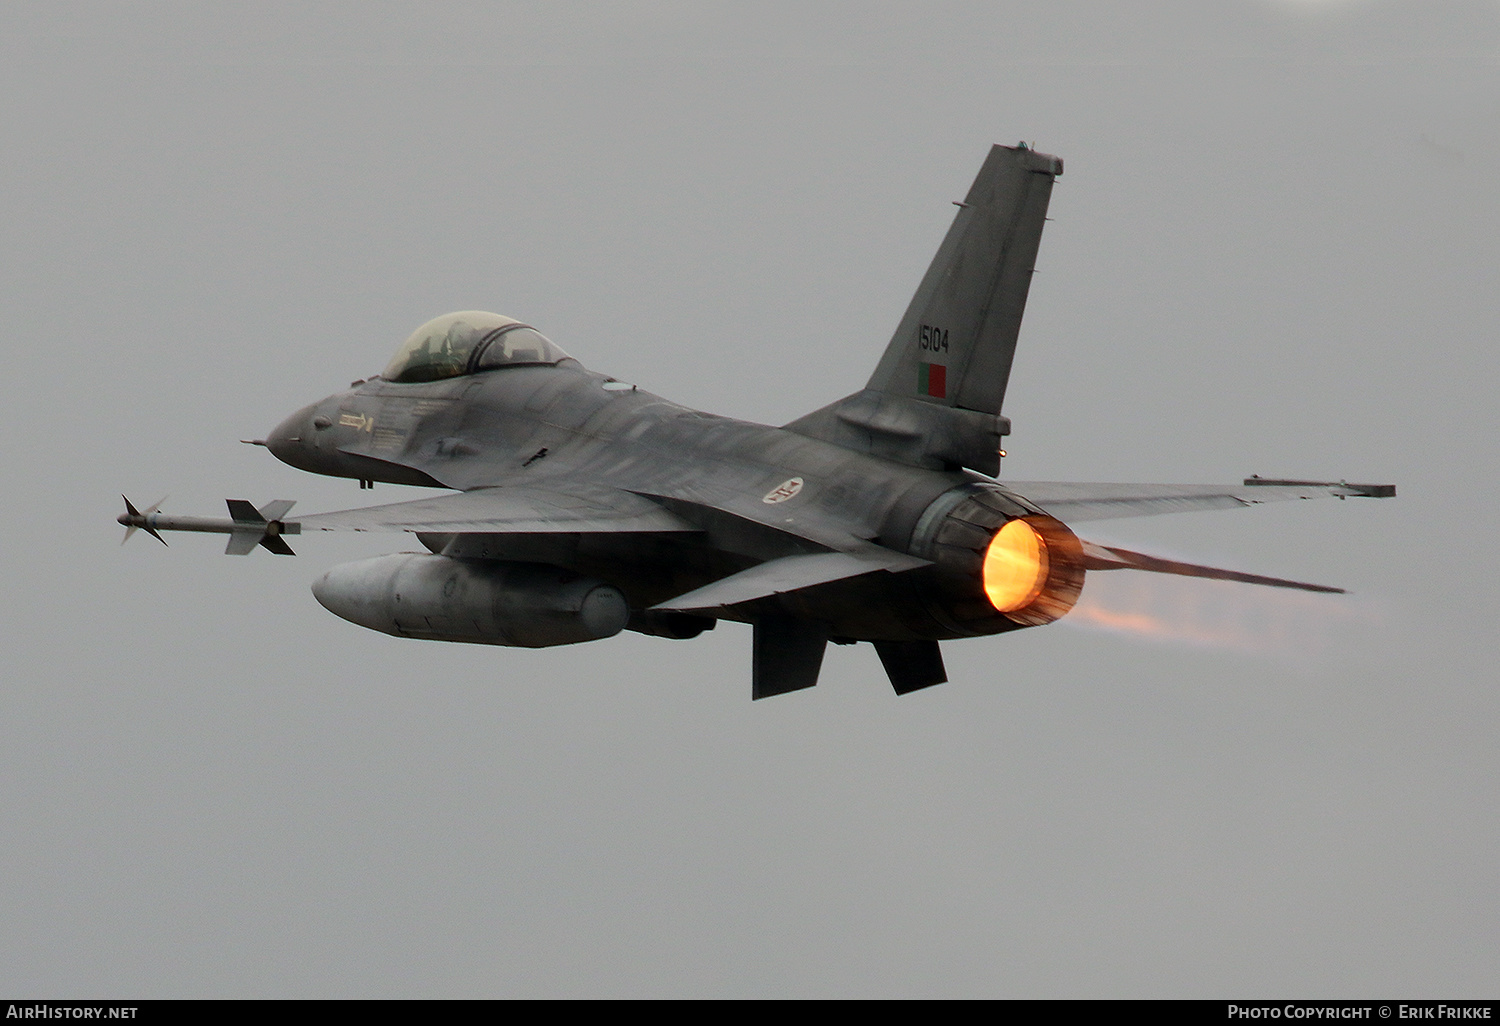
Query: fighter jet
x,y
582,505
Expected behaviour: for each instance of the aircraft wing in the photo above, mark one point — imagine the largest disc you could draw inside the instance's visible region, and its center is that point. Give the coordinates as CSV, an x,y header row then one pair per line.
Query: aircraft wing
x,y
509,508
1072,502
791,573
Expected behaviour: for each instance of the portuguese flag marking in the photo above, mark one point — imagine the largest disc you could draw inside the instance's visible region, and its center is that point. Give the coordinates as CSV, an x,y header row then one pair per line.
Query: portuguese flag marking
x,y
932,379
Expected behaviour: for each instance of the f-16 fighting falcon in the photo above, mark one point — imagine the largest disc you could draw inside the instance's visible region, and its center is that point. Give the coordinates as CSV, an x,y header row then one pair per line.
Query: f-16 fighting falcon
x,y
582,505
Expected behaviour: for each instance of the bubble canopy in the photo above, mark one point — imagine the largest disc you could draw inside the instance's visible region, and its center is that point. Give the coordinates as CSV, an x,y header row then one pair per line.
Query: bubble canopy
x,y
469,341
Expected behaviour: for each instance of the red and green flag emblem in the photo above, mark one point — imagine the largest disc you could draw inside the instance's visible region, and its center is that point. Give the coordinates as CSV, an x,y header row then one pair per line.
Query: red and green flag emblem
x,y
932,379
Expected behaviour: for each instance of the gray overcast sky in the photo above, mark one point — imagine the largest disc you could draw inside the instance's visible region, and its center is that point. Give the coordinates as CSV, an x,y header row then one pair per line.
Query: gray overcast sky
x,y
1275,250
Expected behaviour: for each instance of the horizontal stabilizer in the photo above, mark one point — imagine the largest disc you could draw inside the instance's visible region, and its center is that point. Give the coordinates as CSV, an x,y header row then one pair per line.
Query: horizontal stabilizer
x,y
1073,502
1105,557
790,573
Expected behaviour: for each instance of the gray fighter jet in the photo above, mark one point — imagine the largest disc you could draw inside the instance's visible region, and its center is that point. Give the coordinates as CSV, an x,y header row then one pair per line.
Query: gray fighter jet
x,y
583,505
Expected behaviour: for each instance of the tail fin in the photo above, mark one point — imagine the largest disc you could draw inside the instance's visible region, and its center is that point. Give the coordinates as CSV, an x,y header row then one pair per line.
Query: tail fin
x,y
953,348
955,344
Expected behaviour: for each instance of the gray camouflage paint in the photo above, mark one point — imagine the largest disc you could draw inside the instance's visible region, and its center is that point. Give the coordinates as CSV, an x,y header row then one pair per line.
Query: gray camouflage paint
x,y
867,520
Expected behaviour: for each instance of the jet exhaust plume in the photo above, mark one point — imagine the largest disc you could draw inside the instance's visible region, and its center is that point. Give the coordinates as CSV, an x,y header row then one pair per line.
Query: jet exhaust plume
x,y
1221,615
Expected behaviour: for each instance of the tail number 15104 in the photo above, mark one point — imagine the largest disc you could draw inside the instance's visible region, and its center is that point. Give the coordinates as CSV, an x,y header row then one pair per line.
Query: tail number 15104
x,y
934,340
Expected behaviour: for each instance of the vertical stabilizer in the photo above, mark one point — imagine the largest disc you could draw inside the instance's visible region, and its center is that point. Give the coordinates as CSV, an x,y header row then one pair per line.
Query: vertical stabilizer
x,y
934,400
955,345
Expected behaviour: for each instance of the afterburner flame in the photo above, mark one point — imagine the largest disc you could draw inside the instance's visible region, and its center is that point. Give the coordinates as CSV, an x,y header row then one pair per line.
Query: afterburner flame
x,y
1015,567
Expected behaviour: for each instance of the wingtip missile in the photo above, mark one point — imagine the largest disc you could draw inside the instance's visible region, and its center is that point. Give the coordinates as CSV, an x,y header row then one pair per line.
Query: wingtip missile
x,y
1342,489
247,526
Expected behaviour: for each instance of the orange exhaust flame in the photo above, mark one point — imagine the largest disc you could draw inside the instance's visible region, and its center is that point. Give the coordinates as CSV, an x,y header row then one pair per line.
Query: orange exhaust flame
x,y
1015,567
1220,615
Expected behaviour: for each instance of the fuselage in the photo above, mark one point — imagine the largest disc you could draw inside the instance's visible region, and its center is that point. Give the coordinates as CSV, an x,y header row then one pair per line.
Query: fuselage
x,y
756,492
585,506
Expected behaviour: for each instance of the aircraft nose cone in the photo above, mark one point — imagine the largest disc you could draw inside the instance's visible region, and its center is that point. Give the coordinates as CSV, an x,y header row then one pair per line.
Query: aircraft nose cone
x,y
291,441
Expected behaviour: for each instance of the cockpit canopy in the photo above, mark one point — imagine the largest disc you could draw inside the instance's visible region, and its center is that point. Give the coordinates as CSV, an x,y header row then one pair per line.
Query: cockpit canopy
x,y
469,341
